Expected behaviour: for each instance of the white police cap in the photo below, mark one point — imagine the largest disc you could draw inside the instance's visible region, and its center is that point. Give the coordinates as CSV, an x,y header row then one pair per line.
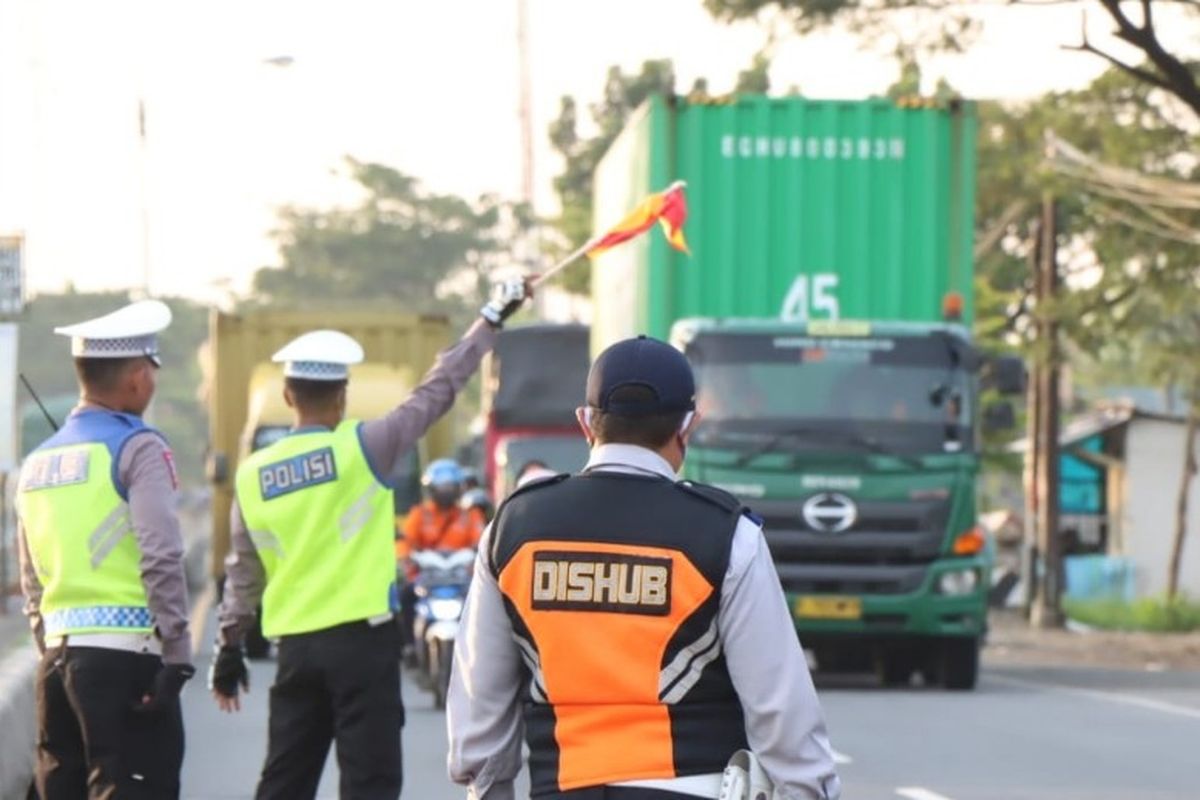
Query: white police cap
x,y
128,332
319,356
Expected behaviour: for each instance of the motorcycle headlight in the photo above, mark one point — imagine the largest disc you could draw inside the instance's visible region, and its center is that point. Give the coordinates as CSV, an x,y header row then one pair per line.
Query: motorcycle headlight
x,y
445,608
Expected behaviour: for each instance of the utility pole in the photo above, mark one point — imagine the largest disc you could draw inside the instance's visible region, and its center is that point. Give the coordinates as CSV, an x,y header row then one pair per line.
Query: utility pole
x,y
525,102
1047,601
143,169
1031,553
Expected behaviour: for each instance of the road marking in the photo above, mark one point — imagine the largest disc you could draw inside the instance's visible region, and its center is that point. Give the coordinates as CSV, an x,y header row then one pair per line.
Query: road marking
x,y
841,758
917,793
1111,697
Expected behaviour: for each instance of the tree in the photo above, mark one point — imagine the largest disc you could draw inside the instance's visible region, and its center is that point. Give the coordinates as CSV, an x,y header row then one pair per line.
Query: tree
x,y
949,24
1131,229
1121,121
581,153
401,244
623,93
756,78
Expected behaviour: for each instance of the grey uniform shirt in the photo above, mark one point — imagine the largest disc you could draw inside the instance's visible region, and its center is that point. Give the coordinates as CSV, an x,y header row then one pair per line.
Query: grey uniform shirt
x,y
785,726
384,439
147,470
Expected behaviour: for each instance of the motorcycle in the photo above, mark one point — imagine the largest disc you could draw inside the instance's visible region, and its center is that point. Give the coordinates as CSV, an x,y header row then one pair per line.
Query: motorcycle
x,y
440,586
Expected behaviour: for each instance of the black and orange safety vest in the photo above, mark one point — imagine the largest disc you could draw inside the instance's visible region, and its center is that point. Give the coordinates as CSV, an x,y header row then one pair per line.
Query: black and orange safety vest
x,y
613,585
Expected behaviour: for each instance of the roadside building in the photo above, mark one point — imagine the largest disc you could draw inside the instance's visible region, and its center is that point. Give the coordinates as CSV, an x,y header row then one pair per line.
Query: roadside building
x,y
1120,473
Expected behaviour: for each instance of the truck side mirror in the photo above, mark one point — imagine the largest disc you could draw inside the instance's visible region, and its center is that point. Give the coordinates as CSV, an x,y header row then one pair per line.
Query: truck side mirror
x,y
1005,374
216,468
998,417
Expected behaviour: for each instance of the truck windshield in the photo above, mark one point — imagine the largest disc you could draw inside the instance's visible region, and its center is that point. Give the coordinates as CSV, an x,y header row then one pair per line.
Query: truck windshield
x,y
901,395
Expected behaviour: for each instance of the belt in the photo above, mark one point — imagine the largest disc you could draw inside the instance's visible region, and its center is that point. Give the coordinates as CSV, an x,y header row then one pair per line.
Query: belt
x,y
695,785
129,642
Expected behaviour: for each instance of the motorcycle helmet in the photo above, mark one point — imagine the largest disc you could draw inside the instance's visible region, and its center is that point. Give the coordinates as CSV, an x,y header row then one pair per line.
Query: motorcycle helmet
x,y
443,482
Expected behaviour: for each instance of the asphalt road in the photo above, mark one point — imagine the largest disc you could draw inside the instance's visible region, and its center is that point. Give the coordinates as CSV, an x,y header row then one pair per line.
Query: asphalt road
x,y
225,751
1024,734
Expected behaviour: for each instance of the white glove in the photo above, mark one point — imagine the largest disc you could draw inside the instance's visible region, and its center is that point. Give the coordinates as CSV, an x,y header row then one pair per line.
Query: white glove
x,y
745,779
507,297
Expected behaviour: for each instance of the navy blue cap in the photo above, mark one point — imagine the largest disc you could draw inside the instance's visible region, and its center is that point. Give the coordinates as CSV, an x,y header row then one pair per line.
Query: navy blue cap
x,y
643,362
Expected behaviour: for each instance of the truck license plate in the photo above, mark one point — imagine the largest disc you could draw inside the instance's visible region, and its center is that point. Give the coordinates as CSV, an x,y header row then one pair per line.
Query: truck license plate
x,y
828,607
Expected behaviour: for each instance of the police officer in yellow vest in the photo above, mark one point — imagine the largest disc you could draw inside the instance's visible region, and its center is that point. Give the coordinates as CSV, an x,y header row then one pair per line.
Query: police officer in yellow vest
x,y
631,624
103,577
313,531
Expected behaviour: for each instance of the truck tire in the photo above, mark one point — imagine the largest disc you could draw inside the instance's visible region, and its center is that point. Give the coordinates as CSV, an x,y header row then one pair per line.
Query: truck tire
x,y
895,670
441,678
960,664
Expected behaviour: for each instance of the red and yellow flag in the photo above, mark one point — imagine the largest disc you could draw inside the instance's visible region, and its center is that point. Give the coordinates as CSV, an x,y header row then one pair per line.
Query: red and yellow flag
x,y
668,208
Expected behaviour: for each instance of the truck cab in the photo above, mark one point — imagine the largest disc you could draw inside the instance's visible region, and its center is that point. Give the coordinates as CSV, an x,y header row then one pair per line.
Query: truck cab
x,y
856,443
532,384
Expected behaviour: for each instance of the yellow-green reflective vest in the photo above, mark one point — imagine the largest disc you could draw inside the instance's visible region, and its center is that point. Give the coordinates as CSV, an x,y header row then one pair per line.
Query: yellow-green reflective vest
x,y
76,517
322,523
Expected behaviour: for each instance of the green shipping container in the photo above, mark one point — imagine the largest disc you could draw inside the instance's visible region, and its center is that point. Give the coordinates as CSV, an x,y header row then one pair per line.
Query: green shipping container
x,y
800,209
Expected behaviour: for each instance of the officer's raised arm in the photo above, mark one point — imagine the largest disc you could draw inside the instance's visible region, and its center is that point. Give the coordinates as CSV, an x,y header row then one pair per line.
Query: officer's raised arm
x,y
385,439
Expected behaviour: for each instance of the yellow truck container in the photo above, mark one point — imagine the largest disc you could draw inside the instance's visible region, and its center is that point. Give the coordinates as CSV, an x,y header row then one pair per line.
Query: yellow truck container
x,y
245,390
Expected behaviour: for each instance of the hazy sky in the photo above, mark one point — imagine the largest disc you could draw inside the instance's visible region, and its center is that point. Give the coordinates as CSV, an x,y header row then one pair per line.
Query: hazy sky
x,y
428,87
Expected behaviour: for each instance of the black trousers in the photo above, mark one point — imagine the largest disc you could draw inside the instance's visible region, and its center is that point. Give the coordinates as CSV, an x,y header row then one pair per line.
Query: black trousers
x,y
341,684
91,743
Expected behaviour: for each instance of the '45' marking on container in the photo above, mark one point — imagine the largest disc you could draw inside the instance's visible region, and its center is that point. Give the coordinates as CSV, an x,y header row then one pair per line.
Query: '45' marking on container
x,y
811,295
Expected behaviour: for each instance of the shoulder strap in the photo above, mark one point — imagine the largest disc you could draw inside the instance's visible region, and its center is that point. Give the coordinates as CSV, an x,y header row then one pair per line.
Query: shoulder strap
x,y
532,486
711,494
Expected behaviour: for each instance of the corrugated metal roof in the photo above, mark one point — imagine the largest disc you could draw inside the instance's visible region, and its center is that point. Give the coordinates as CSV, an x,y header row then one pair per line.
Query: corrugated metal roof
x,y
1100,420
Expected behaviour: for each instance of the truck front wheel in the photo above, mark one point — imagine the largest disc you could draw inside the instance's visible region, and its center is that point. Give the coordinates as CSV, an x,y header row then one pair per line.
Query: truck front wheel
x,y
894,669
960,664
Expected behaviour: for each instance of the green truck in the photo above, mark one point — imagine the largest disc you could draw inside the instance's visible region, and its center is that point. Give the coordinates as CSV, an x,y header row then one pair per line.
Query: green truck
x,y
826,309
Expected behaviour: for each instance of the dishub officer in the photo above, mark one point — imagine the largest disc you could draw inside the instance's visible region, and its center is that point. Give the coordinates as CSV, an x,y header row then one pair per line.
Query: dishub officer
x,y
632,624
103,578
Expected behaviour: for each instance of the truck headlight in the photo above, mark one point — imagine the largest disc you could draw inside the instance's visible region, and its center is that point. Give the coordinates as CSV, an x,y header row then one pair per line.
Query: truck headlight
x,y
445,608
958,582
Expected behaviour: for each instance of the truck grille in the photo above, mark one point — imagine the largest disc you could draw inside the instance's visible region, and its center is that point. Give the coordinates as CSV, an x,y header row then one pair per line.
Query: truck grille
x,y
848,579
884,533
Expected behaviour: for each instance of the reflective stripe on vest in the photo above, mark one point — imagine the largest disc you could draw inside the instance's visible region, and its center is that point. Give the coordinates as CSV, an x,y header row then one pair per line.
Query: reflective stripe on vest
x,y
323,525
613,588
77,524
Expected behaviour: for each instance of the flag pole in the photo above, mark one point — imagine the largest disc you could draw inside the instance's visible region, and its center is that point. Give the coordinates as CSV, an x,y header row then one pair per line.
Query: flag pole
x,y
566,262
588,245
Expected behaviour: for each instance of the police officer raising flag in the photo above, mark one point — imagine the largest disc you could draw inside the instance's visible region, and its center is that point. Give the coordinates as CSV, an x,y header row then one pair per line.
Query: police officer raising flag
x,y
102,574
632,624
312,539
